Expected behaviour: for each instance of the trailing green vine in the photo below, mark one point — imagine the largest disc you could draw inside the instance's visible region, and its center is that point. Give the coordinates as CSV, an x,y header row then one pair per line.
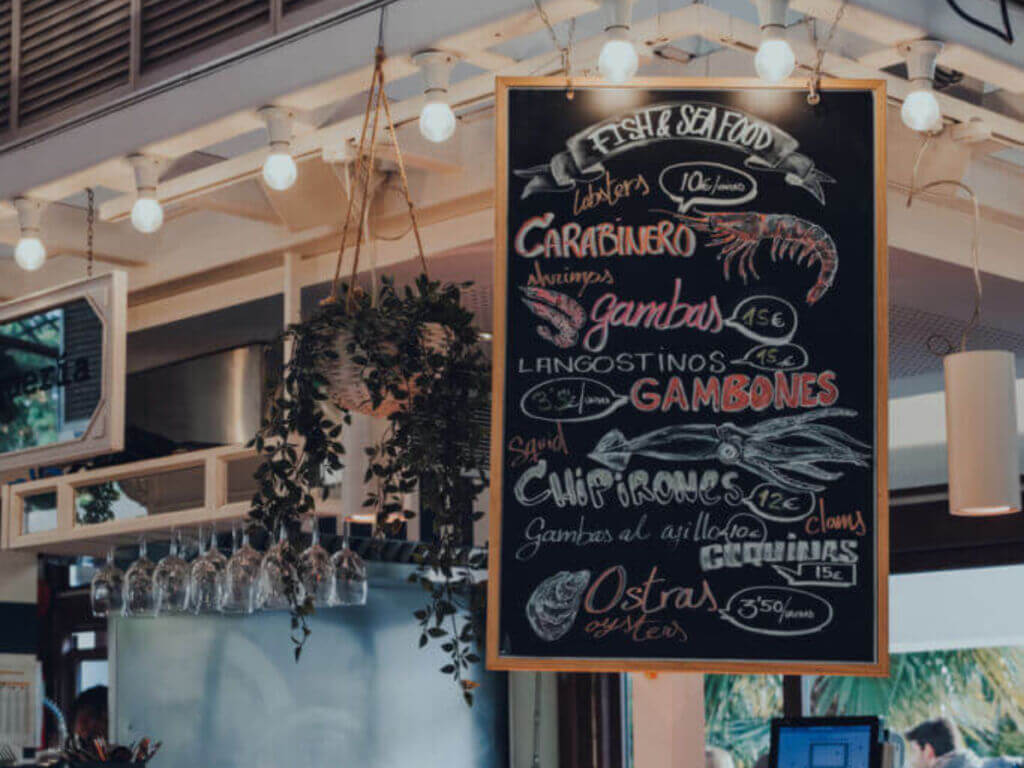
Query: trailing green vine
x,y
432,442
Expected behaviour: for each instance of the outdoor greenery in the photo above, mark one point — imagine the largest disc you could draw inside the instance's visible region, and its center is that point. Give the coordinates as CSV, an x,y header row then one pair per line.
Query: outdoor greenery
x,y
980,689
95,503
430,441
737,713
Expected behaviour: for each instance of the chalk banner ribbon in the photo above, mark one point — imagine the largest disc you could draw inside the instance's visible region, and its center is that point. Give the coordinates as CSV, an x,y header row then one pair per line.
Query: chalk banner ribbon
x,y
767,147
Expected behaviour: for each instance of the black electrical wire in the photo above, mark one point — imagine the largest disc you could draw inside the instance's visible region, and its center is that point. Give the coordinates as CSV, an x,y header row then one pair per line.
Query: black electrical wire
x,y
1006,33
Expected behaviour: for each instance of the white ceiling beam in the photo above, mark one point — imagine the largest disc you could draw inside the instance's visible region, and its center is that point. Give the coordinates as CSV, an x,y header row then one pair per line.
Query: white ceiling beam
x,y
438,239
720,27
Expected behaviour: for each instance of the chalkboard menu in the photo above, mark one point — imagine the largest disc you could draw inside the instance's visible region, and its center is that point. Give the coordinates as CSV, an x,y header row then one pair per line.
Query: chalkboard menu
x,y
688,445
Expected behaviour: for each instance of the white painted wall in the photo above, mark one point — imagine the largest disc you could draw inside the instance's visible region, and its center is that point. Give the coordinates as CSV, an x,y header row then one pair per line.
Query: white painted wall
x,y
917,439
968,608
18,577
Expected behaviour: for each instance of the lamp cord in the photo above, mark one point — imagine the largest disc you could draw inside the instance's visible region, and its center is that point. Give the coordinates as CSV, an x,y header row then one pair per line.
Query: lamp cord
x,y
975,249
814,82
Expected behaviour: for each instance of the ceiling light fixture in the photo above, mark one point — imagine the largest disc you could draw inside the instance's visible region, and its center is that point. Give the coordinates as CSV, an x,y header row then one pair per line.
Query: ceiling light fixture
x,y
920,110
29,253
147,213
981,433
279,169
774,60
618,60
437,120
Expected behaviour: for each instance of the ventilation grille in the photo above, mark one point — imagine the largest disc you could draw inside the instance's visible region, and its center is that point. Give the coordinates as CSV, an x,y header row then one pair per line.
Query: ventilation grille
x,y
71,50
910,331
5,65
172,29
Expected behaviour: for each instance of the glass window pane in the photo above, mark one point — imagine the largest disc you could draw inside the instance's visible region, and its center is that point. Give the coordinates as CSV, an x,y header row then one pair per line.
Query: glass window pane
x,y
241,478
91,672
737,713
50,375
40,512
154,494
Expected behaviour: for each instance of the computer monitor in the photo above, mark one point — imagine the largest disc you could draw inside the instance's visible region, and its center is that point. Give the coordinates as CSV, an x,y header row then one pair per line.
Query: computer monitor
x,y
826,742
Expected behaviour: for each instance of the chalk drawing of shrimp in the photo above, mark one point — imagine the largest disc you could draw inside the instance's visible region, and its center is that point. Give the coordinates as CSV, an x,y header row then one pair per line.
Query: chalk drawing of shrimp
x,y
739,235
563,312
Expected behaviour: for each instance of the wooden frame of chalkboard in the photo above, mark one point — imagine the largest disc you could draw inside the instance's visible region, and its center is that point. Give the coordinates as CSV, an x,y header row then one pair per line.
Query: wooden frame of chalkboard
x,y
711,219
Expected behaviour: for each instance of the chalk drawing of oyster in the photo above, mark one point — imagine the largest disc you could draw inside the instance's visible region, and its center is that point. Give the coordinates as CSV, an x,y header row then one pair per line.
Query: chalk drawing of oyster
x,y
553,606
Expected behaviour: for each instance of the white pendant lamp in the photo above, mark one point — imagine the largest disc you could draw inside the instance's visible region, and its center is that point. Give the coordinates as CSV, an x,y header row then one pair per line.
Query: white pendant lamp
x,y
981,433
29,253
279,169
147,213
618,60
775,59
437,120
920,111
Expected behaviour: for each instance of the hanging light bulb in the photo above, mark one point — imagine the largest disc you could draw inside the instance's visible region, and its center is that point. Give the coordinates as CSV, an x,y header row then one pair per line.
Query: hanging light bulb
x,y
279,169
774,61
618,60
29,253
920,111
437,120
147,213
981,433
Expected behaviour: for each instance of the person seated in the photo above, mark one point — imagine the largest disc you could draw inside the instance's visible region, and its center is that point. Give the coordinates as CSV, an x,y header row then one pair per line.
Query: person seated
x,y
937,744
88,716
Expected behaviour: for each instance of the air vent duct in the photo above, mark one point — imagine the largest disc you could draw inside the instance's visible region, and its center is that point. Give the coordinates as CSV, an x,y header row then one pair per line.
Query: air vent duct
x,y
172,29
71,50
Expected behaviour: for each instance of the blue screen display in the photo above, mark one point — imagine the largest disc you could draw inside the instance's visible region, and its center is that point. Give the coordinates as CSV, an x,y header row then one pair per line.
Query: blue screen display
x,y
847,746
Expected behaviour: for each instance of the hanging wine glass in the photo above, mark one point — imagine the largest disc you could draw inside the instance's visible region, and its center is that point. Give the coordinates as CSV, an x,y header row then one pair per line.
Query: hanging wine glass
x,y
316,571
350,584
170,580
206,577
278,577
106,591
241,576
139,598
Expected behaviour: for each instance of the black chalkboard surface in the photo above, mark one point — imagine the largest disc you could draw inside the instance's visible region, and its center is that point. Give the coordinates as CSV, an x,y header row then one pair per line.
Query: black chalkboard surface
x,y
688,445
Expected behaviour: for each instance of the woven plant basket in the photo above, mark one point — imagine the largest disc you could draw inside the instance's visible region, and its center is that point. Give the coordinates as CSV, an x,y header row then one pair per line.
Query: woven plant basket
x,y
346,386
346,380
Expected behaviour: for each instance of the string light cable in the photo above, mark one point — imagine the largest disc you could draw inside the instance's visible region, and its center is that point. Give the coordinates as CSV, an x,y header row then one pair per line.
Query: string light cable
x,y
814,82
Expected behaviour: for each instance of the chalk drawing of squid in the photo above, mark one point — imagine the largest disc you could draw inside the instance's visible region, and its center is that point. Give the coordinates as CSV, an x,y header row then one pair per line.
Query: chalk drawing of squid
x,y
563,312
739,235
782,451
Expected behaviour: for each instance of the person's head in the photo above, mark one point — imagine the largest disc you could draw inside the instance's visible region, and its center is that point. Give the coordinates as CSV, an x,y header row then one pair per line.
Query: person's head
x,y
88,717
929,741
716,757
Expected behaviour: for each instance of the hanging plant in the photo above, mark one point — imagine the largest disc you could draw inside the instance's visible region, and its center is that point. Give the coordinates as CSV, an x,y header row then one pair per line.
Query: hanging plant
x,y
412,355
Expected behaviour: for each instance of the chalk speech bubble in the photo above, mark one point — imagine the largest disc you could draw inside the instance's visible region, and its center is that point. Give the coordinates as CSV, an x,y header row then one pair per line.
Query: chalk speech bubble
x,y
744,523
819,574
572,398
779,611
775,357
765,319
700,183
778,505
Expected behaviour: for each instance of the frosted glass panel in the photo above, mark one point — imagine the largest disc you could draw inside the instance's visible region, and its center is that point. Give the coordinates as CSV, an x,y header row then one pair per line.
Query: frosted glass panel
x,y
222,691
